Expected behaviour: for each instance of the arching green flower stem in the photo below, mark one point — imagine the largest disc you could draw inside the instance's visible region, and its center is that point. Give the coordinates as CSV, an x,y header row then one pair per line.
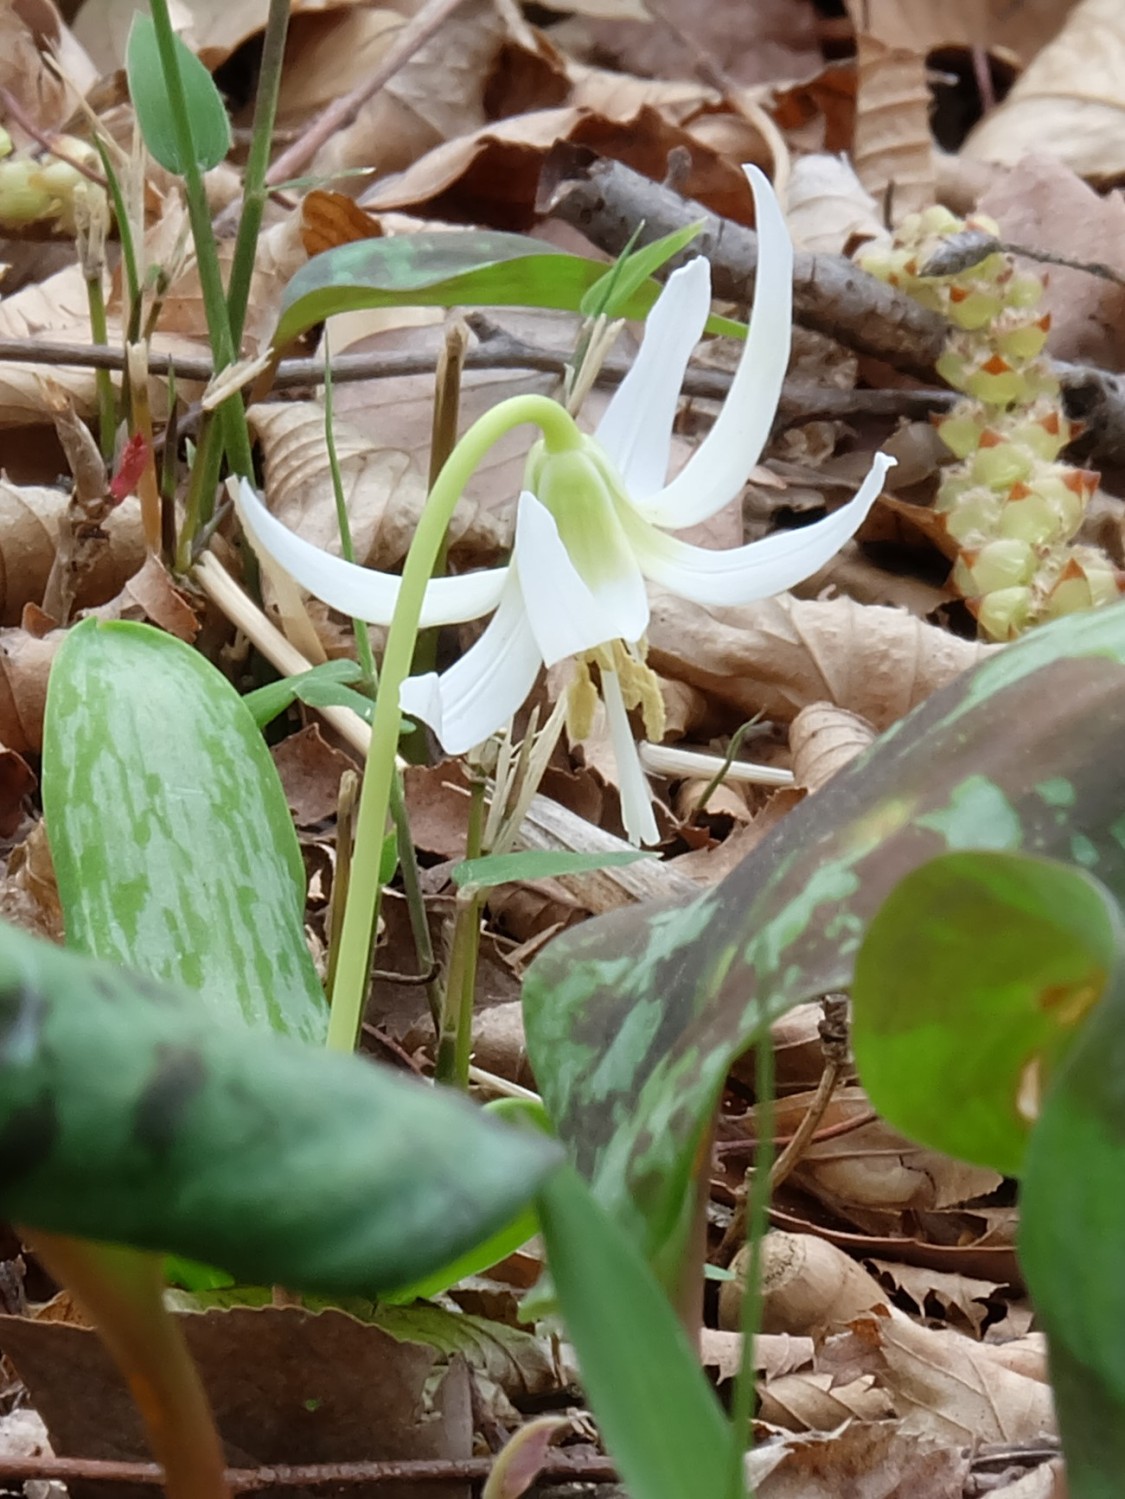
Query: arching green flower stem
x,y
361,910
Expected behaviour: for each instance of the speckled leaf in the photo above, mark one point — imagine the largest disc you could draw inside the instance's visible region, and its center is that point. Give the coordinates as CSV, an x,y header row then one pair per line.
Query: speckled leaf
x,y
130,1116
970,984
449,268
1072,1242
633,1019
172,843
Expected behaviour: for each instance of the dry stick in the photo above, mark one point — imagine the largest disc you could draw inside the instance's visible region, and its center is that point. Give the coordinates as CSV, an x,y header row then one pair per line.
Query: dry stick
x,y
247,1480
606,200
417,31
801,401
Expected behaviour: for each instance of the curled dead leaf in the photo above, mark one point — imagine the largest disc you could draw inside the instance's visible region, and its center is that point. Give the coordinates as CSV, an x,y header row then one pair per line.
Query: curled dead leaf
x,y
823,739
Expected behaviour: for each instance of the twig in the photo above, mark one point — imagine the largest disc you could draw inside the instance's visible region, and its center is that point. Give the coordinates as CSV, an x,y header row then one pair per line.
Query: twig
x,y
247,1480
606,199
801,401
15,111
417,31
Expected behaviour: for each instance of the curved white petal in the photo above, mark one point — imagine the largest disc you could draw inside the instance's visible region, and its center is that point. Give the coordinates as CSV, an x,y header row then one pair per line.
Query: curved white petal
x,y
480,692
361,592
565,614
636,430
636,796
717,470
742,574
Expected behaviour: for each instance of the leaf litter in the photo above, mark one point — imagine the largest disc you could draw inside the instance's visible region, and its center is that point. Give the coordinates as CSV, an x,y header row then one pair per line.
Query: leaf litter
x,y
897,1354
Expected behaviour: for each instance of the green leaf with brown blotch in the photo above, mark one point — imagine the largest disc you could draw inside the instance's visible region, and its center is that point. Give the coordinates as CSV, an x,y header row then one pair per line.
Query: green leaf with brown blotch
x,y
172,842
633,1019
129,1115
450,268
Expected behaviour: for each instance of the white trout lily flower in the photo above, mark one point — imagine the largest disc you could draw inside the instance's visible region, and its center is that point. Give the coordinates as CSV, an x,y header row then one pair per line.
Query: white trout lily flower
x,y
592,525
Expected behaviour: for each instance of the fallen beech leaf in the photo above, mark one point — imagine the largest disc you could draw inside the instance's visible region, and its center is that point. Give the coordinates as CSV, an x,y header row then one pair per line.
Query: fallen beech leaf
x,y
29,528
492,175
310,770
331,219
779,655
823,739
870,1460
815,1402
962,1299
1041,203
893,150
29,895
1070,102
829,209
1021,29
25,661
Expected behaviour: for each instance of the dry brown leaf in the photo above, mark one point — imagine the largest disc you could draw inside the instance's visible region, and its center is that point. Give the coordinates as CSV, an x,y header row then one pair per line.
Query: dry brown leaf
x,y
1021,29
29,895
492,175
1041,203
310,770
150,594
775,1354
1048,1481
28,36
893,149
29,522
946,1385
814,1402
755,44
865,1460
331,219
963,1300
1071,101
823,739
829,210
781,654
808,1287
25,661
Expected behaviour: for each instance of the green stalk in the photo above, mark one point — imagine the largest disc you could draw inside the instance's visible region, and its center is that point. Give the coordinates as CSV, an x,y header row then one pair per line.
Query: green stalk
x,y
361,912
455,1036
99,334
742,1400
404,842
124,229
232,414
122,1291
257,164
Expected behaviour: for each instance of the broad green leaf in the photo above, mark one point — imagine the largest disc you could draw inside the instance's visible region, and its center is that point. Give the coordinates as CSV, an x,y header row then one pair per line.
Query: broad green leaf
x,y
128,1115
1072,1239
172,843
658,1415
210,128
970,982
449,268
634,1018
537,864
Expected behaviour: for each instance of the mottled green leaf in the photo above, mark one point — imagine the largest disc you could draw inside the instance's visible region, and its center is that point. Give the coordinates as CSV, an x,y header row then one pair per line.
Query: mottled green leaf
x,y
1072,1241
659,1417
971,981
128,1115
172,843
449,268
634,1018
210,128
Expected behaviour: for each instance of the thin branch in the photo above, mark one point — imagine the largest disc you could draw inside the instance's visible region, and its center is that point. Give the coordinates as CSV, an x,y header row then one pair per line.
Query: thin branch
x,y
247,1480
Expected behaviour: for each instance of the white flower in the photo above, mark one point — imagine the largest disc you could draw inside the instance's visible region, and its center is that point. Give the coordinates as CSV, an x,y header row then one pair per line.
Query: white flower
x,y
592,525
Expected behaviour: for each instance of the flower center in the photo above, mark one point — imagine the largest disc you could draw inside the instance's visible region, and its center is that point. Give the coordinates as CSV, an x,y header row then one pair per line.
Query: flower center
x,y
639,688
577,487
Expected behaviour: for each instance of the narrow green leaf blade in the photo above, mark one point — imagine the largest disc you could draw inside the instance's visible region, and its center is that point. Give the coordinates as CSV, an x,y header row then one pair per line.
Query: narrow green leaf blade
x,y
210,127
537,864
129,1116
970,983
172,843
660,1419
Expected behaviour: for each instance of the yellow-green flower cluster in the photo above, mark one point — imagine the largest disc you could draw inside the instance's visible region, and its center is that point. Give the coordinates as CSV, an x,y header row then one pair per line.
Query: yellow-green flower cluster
x,y
44,190
1009,505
